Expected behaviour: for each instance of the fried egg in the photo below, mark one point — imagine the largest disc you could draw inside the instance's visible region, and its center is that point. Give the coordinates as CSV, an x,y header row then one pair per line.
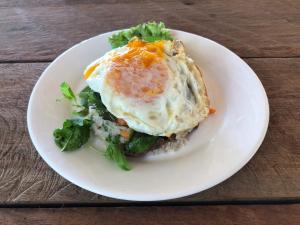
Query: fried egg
x,y
155,87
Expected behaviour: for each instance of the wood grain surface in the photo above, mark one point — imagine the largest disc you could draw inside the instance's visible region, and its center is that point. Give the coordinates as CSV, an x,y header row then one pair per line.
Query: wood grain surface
x,y
273,174
266,33
37,30
208,215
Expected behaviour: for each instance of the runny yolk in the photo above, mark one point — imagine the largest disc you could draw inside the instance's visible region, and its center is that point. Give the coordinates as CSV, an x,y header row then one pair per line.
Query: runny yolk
x,y
139,72
147,52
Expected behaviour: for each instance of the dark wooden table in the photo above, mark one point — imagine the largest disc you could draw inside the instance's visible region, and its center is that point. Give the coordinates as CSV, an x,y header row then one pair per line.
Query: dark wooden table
x,y
265,33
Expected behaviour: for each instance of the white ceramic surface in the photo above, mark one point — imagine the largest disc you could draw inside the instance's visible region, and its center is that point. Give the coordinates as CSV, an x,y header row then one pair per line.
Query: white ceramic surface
x,y
220,146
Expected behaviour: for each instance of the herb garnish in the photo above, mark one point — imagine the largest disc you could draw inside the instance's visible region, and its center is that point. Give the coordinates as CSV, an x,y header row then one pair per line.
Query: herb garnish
x,y
149,32
73,135
114,152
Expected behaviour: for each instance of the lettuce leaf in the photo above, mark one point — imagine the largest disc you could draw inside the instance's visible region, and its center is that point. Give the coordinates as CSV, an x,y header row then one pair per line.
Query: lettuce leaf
x,y
114,152
149,32
73,135
67,91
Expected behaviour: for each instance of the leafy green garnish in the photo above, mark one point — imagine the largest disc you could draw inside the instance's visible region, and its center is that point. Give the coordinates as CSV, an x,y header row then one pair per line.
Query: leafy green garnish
x,y
67,91
90,98
140,143
73,135
114,152
150,32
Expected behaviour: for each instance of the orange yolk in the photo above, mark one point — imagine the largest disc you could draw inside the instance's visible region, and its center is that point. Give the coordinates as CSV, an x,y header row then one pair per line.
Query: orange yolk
x,y
148,53
139,73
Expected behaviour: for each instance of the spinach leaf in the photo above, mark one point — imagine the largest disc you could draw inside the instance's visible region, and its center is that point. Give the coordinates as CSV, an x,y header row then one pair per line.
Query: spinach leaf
x,y
67,91
90,98
73,135
140,143
114,152
150,32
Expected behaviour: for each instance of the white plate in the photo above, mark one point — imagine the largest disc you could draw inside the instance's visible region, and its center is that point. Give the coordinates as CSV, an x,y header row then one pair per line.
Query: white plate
x,y
220,146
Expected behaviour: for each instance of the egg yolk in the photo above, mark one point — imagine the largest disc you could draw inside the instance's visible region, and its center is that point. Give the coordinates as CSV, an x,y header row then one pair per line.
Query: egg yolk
x,y
139,72
147,52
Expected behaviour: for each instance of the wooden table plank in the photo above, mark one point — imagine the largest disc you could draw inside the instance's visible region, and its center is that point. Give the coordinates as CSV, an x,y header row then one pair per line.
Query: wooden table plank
x,y
273,174
38,30
209,215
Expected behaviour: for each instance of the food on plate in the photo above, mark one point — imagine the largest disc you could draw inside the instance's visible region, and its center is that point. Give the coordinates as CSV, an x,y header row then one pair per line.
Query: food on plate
x,y
142,95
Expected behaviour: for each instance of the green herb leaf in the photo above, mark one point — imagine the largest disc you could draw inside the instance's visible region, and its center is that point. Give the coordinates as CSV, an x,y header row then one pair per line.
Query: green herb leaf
x,y
114,152
140,143
150,32
73,135
90,98
82,112
67,91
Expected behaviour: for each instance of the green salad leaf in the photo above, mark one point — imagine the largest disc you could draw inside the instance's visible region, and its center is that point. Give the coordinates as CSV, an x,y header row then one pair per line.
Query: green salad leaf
x,y
73,135
140,143
67,91
114,152
90,98
150,32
